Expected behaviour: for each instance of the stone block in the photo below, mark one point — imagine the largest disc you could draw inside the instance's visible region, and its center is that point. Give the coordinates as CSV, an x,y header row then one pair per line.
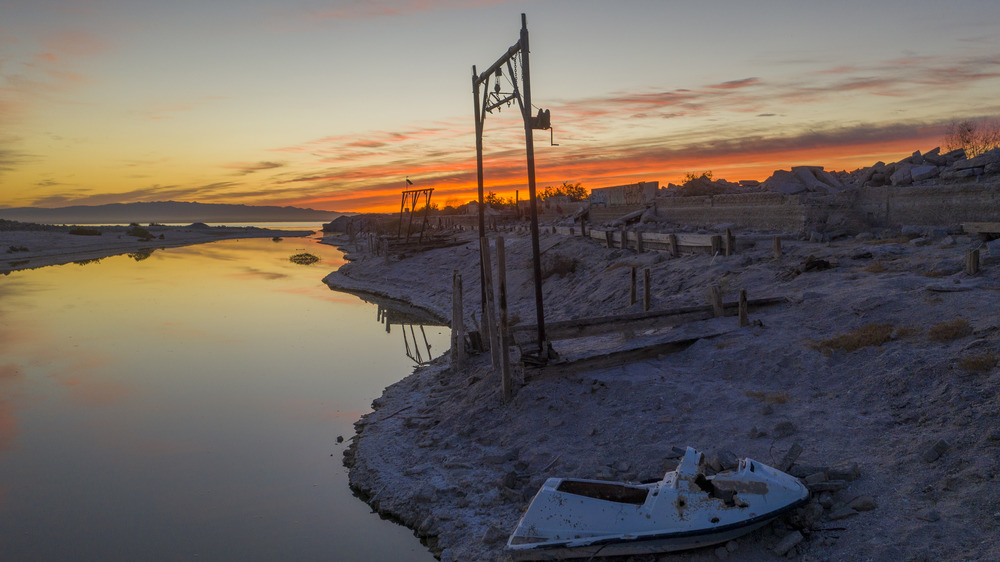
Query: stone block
x,y
788,543
924,172
935,451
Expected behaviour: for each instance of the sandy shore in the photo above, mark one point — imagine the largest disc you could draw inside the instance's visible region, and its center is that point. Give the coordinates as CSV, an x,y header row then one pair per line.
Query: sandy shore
x,y
32,246
914,406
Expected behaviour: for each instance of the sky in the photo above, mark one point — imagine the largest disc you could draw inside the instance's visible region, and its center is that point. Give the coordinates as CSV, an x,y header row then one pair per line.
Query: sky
x,y
333,104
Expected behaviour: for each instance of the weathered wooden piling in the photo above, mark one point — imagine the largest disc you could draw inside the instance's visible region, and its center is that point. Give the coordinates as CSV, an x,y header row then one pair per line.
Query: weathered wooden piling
x,y
972,262
715,299
646,282
675,249
631,290
504,343
777,247
457,323
490,304
743,309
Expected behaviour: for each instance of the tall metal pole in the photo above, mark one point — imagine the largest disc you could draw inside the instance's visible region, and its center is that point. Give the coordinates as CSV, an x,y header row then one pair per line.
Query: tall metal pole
x,y
479,177
533,201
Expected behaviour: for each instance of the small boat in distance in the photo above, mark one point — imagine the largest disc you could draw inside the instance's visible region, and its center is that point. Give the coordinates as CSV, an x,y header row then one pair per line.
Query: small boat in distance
x,y
570,518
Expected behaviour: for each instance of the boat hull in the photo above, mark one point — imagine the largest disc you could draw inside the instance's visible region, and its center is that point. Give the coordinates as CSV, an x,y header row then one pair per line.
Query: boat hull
x,y
653,543
688,508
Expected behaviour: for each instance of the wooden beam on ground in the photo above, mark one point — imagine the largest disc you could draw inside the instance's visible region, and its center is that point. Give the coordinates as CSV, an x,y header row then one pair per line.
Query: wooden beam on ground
x,y
583,327
609,359
981,227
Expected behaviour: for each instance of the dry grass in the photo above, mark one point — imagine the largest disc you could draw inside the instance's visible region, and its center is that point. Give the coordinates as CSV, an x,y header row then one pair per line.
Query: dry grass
x,y
558,264
877,267
907,331
979,363
899,240
865,336
767,397
950,330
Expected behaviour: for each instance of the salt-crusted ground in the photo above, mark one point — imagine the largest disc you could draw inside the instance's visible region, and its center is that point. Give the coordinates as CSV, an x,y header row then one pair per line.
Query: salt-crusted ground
x,y
27,246
442,453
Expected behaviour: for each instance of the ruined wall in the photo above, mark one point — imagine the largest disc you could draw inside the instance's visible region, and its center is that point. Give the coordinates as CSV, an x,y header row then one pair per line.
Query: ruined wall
x,y
765,210
624,195
940,205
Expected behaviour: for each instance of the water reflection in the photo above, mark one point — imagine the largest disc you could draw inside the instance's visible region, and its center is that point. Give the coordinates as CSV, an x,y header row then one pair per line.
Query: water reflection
x,y
188,404
414,324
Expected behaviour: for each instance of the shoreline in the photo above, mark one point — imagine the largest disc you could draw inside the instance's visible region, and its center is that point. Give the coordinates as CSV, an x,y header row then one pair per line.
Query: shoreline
x,y
33,247
443,454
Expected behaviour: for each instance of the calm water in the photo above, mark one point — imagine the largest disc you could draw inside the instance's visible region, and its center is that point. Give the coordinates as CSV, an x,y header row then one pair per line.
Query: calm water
x,y
188,405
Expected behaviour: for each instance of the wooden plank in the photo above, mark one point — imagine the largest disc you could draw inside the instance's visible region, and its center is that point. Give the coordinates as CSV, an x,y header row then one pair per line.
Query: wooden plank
x,y
981,227
505,383
582,327
611,359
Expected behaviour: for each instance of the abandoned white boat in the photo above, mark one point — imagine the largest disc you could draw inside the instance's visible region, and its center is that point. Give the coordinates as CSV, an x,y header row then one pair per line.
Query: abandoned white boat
x,y
571,518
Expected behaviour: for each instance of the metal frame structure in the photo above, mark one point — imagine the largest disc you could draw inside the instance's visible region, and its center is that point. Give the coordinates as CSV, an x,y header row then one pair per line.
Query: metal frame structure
x,y
415,195
497,99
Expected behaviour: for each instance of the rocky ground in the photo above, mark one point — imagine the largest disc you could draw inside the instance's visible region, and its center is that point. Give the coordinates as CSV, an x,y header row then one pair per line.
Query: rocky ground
x,y
884,357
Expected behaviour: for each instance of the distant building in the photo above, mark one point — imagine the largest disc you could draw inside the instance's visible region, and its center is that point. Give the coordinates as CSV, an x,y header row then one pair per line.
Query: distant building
x,y
642,193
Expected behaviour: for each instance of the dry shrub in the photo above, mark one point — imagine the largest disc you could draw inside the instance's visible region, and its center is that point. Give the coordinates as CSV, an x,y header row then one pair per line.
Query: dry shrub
x,y
899,240
877,267
979,363
907,331
558,264
767,398
950,330
865,336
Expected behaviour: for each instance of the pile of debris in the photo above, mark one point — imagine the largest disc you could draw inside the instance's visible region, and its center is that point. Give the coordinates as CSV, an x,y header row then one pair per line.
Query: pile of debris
x,y
917,169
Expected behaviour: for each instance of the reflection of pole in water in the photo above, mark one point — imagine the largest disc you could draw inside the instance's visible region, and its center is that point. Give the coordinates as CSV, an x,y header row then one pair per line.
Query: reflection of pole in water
x,y
416,348
414,352
406,343
427,343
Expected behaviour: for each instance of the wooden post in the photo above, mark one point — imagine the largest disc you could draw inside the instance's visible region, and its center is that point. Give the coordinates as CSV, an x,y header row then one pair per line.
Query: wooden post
x,y
504,343
385,246
730,243
608,236
675,249
716,244
715,299
457,323
624,238
645,289
572,231
972,262
638,241
631,291
777,247
743,314
583,226
490,302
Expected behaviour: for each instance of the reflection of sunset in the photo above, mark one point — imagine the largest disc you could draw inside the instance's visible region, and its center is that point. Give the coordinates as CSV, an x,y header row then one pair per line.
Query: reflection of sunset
x,y
8,426
199,392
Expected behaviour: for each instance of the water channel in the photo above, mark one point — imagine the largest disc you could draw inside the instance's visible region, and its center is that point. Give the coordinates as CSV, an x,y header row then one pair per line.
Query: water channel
x,y
187,403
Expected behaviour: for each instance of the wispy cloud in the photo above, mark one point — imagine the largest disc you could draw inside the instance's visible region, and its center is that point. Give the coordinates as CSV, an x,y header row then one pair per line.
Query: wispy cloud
x,y
245,169
365,9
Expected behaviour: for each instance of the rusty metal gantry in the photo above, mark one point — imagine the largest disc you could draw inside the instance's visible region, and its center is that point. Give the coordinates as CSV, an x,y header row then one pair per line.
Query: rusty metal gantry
x,y
496,99
414,195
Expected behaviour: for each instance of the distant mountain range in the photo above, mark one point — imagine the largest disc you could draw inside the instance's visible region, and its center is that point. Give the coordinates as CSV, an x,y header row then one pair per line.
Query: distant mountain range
x,y
165,212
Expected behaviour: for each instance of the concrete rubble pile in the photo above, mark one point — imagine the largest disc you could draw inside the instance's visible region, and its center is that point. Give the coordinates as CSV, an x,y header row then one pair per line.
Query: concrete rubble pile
x,y
918,169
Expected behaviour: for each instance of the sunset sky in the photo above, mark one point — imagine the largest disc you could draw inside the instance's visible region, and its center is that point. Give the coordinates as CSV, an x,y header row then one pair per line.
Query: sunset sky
x,y
332,104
